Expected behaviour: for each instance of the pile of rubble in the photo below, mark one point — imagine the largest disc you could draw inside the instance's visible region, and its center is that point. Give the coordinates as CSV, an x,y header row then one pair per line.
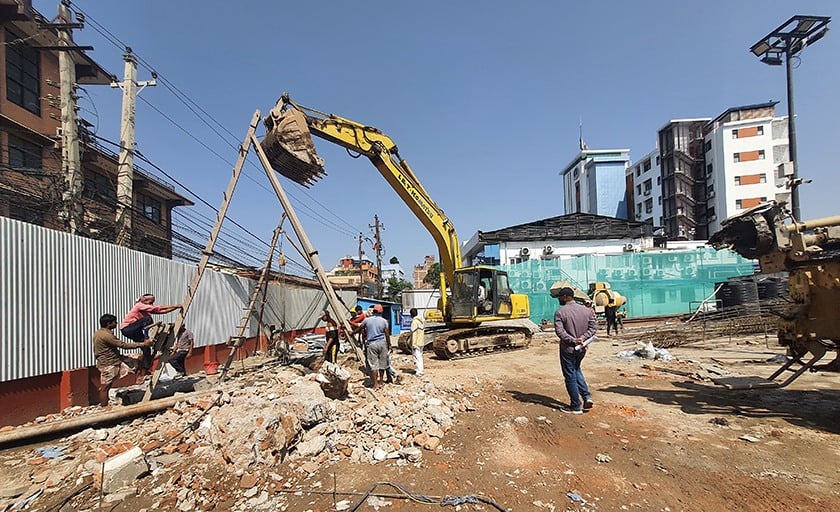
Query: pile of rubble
x,y
221,450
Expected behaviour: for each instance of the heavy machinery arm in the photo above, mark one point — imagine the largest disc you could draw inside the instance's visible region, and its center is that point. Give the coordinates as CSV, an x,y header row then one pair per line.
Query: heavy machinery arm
x,y
290,150
810,253
383,153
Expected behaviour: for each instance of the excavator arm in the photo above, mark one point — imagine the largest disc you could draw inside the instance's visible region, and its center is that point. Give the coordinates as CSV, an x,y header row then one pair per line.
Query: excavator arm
x,y
287,117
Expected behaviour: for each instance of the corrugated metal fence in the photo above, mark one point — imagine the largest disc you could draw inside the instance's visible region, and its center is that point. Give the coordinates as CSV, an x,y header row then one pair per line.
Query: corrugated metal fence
x,y
55,286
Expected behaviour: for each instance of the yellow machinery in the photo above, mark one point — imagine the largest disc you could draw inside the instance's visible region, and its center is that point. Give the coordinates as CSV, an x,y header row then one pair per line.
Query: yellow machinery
x,y
810,253
603,296
478,294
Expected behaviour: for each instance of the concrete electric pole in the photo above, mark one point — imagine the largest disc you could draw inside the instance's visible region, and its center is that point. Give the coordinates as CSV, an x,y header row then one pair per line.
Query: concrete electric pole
x,y
377,246
70,160
361,272
125,170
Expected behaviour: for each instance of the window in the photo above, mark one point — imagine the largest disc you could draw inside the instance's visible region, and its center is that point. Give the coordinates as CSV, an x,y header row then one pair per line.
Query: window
x,y
99,187
649,206
657,161
24,154
710,190
749,203
23,77
709,170
638,170
638,190
638,207
149,207
711,213
708,145
575,173
747,132
658,180
647,165
660,199
751,179
648,184
747,156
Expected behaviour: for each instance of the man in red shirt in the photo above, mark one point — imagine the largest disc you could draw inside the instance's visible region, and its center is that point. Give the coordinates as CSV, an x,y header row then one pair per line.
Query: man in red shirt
x,y
134,325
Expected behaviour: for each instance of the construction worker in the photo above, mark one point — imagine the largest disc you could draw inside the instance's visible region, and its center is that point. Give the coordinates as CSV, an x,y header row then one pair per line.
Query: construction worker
x,y
112,365
182,350
377,345
612,319
136,323
574,324
332,344
418,341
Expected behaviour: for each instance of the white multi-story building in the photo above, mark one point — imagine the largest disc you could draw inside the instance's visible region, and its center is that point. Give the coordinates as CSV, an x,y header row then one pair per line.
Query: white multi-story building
x,y
644,190
746,161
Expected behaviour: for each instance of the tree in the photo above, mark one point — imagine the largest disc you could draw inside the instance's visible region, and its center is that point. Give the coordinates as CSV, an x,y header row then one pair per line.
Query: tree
x,y
394,288
433,275
394,261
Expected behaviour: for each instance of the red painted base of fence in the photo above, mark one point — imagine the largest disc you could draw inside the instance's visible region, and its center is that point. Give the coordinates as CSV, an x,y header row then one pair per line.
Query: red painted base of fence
x,y
26,399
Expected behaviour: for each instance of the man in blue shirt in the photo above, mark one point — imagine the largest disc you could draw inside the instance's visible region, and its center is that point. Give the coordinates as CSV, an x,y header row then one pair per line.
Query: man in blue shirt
x,y
377,344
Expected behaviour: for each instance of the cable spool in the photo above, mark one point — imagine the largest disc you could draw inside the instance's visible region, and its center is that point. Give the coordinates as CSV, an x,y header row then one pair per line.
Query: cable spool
x,y
769,288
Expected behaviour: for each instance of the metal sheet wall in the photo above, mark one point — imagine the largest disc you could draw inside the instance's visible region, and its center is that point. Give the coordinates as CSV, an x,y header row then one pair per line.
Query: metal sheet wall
x,y
54,287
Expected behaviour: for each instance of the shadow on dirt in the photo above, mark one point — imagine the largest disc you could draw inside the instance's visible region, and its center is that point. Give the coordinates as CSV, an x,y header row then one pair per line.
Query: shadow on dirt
x,y
807,408
534,398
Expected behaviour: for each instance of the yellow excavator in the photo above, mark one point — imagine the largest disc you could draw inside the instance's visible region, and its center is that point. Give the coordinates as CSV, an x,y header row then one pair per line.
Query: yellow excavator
x,y
470,296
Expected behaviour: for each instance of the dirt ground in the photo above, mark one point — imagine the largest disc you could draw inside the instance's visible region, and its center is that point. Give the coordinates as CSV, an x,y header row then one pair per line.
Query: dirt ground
x,y
671,442
657,438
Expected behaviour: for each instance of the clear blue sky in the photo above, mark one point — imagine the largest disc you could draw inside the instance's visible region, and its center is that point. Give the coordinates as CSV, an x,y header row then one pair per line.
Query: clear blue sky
x,y
483,98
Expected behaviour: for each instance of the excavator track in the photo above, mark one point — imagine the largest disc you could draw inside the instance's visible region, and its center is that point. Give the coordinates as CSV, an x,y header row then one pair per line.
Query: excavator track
x,y
460,343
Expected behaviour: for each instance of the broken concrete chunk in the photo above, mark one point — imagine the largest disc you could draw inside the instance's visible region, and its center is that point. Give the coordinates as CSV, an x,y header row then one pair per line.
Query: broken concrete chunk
x,y
333,379
312,446
123,469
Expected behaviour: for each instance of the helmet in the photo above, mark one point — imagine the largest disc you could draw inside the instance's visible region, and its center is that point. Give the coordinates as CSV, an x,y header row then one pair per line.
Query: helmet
x,y
377,308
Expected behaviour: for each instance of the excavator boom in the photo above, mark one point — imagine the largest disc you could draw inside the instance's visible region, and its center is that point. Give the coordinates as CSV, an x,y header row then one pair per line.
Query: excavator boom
x,y
478,294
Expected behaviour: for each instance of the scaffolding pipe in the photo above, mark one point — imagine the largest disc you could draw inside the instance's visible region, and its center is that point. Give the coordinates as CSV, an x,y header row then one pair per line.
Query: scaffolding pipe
x,y
52,429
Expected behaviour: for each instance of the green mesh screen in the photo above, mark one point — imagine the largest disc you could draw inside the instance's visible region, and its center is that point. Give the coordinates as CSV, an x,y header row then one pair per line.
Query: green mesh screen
x,y
655,283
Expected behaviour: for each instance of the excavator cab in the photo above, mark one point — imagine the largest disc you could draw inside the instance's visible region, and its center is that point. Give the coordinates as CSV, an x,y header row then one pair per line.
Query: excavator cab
x,y
480,293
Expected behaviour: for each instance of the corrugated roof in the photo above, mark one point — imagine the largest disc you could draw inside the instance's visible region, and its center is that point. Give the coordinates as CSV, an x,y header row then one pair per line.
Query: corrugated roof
x,y
575,226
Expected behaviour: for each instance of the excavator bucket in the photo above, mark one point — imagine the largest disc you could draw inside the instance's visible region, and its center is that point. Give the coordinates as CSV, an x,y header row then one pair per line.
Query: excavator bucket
x,y
289,147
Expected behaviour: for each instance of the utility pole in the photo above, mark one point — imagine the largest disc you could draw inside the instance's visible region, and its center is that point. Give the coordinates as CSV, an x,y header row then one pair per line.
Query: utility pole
x,y
70,159
377,246
125,169
361,272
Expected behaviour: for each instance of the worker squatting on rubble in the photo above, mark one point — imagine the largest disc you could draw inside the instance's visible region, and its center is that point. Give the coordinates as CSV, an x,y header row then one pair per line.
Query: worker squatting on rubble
x,y
418,341
332,344
183,349
377,345
574,324
112,365
136,323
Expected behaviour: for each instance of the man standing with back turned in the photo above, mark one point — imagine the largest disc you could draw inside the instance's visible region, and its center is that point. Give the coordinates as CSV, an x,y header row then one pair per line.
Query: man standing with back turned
x,y
574,324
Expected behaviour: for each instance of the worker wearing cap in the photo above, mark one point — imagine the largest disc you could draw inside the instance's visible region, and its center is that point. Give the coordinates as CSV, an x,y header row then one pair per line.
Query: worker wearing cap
x,y
574,324
377,344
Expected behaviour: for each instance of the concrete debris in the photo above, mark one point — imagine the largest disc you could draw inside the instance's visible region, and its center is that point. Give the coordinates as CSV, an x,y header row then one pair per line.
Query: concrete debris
x,y
262,418
333,379
646,351
123,469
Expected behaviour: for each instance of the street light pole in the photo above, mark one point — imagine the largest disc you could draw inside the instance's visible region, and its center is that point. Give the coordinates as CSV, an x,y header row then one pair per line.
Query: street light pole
x,y
789,39
794,185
